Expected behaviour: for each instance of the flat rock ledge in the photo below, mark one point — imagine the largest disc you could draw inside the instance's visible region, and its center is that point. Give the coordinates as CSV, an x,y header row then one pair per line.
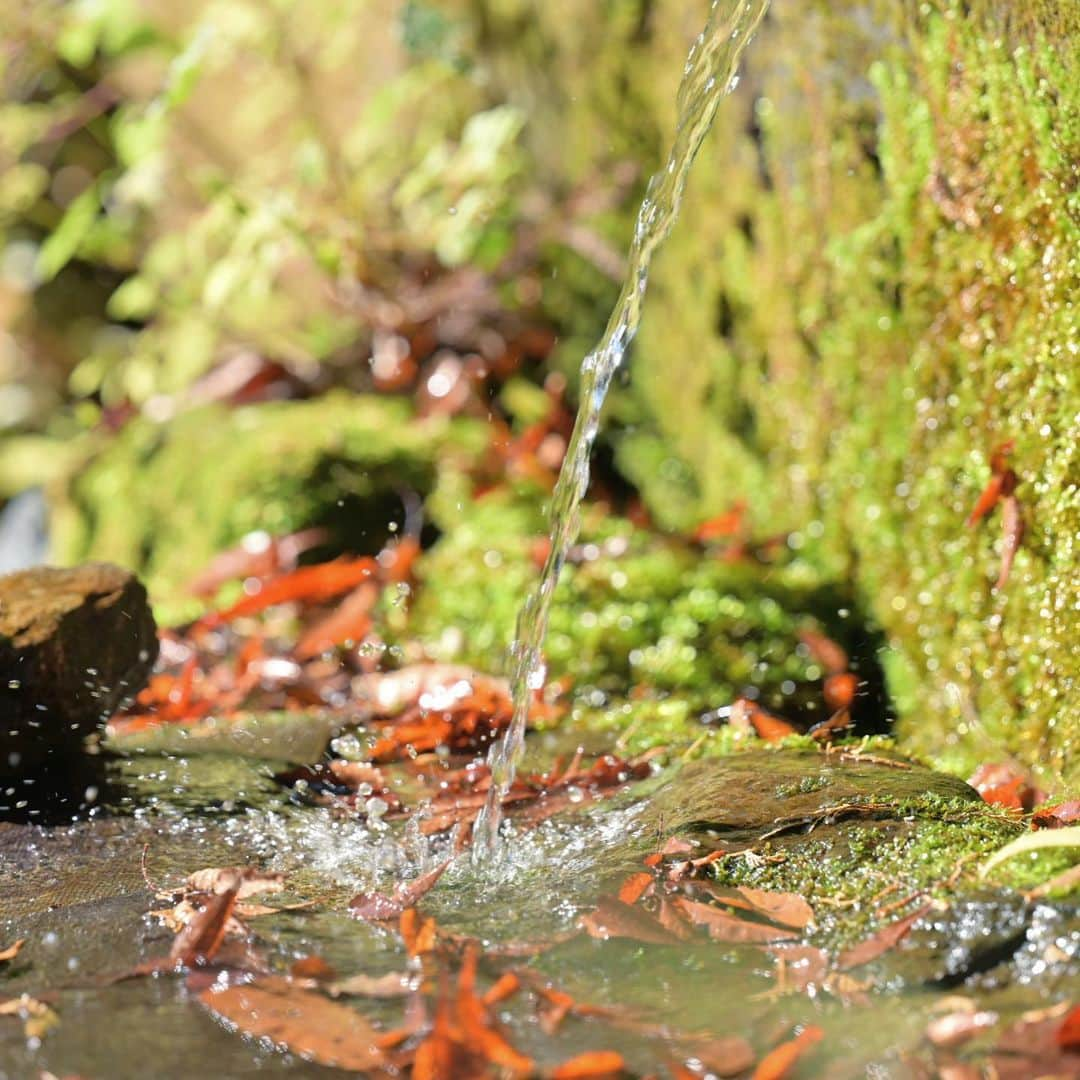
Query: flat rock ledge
x,y
74,643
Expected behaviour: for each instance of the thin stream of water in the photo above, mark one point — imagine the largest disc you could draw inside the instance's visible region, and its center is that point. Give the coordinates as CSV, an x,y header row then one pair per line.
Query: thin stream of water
x,y
708,76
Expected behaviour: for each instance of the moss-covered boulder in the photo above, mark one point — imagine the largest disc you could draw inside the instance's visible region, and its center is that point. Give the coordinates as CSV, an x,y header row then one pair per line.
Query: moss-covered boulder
x,y
164,498
872,286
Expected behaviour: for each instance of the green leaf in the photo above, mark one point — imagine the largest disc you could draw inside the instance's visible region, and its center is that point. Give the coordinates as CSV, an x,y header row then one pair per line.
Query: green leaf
x,y
64,241
1033,841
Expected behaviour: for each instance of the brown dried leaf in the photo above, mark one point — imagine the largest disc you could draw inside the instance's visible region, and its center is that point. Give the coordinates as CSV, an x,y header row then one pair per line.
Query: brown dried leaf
x,y
613,918
886,938
12,950
730,1055
376,906
787,909
245,880
391,985
300,1021
201,938
725,927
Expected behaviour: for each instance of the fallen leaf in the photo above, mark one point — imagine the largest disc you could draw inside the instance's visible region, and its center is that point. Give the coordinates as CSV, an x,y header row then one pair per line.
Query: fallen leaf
x,y
1012,527
312,967
634,887
729,1055
376,906
886,938
750,717
245,880
201,938
37,1017
840,689
1068,1034
302,1022
612,918
1052,817
956,1028
393,985
778,1063
349,622
504,987
595,1065
788,909
12,950
1002,481
479,1031
724,927
417,933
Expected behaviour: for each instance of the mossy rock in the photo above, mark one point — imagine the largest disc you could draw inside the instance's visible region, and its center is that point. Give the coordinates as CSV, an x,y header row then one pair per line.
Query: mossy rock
x,y
163,499
838,827
872,285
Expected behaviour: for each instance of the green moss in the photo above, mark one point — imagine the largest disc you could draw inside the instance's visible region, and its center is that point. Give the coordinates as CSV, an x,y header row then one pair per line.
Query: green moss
x,y
634,613
163,499
872,285
916,851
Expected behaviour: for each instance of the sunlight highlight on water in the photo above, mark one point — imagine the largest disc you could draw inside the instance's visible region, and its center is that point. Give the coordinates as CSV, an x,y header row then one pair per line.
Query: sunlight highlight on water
x,y
709,75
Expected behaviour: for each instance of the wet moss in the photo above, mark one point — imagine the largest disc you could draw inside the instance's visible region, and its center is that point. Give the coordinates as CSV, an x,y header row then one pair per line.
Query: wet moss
x,y
635,614
872,285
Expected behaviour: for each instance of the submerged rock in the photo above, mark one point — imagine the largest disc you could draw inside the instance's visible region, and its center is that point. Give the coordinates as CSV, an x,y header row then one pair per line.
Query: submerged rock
x,y
73,644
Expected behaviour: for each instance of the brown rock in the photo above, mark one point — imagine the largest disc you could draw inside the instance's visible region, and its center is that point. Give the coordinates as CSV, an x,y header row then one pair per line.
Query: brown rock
x,y
73,645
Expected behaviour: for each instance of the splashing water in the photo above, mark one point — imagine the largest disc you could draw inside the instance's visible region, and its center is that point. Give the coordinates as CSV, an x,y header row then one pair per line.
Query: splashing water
x,y
709,75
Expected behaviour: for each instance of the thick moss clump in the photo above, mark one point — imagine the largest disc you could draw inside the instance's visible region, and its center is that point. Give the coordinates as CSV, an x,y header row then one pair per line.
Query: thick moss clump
x,y
163,499
634,613
872,285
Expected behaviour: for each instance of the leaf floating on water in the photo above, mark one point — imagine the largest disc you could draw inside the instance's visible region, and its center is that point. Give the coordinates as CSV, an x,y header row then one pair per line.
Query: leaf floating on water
x,y
877,944
246,880
788,909
595,1065
727,1056
778,1063
635,886
613,918
724,927
393,985
958,1027
299,1021
1033,841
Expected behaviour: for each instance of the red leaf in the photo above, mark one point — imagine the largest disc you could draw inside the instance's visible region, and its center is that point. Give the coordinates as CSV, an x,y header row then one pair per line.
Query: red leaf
x,y
595,1065
311,583
350,621
778,1063
301,1021
634,887
1068,1035
1054,817
377,906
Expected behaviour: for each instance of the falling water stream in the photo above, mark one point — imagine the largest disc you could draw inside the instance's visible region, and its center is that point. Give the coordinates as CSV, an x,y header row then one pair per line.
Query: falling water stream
x,y
708,76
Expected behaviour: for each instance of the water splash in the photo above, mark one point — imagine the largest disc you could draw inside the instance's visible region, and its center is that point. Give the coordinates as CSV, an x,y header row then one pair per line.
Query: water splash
x,y
708,76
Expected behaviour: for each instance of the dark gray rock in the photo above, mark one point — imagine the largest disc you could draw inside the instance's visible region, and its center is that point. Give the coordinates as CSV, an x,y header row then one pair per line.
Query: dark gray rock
x,y
73,645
